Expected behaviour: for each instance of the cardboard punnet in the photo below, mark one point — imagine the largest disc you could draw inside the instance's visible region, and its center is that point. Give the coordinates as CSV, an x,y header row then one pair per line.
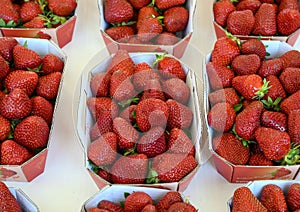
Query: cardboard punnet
x,y
244,173
177,50
24,201
85,120
36,164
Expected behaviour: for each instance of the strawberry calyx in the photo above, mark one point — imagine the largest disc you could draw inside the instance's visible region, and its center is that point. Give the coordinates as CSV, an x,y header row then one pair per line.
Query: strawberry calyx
x,y
292,157
8,24
152,177
272,105
263,90
159,57
129,23
245,142
96,168
131,151
234,38
125,103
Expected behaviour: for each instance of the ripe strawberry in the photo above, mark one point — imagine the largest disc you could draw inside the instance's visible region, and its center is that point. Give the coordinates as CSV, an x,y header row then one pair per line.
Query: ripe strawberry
x,y
62,8
224,51
265,20
272,66
240,22
29,10
15,105
8,202
25,80
246,64
117,11
272,198
13,153
221,10
122,61
276,90
224,95
104,124
150,113
8,12
25,58
129,114
180,116
6,47
149,29
289,79
4,128
136,201
275,120
259,159
153,89
290,58
103,151
181,207
165,4
288,4
120,33
52,63
48,85
293,125
288,21
254,46
127,134
293,197
149,208
252,5
4,68
109,205
166,38
130,169
244,200
98,105
290,103
100,84
138,4
177,89
180,143
176,18
143,72
221,117
36,22
167,200
43,108
145,13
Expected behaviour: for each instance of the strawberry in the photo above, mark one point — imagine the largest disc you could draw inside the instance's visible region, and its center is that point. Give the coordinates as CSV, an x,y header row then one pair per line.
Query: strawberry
x,y
246,64
4,68
224,51
288,4
254,46
153,89
228,146
149,29
181,207
166,38
8,202
98,105
109,205
275,120
177,89
129,114
290,103
176,19
120,33
138,4
103,151
122,61
8,13
290,58
13,153
293,125
136,201
275,93
172,167
244,200
117,11
221,117
240,22
7,45
289,79
130,169
25,80
259,159
29,10
15,105
25,58
180,143
150,113
94,209
165,4
143,72
153,142
149,208
48,85
293,197
272,198
43,108
99,84
4,128
127,134
219,76
62,8
167,200
221,10
265,20
272,66
288,21
252,5
145,13
52,63
224,95
104,124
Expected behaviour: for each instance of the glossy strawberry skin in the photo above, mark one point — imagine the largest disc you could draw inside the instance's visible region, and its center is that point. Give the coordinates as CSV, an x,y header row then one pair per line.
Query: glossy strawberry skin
x,y
149,29
4,68
165,4
293,125
265,20
170,67
36,22
219,76
25,58
144,14
275,120
43,108
121,60
138,4
48,85
290,59
290,103
182,206
288,78
240,22
117,11
99,84
246,64
259,159
7,201
120,33
62,8
179,142
272,198
6,47
254,46
52,63
272,66
276,89
98,105
252,5
4,128
109,205
167,200
221,10
29,10
8,12
136,201
293,197
177,89
103,124
224,95
288,21
176,19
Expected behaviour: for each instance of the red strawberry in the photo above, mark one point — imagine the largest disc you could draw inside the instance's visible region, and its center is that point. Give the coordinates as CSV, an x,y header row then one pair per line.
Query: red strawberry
x,y
122,61
62,8
246,64
293,125
136,201
166,38
176,19
104,124
167,200
254,46
15,105
138,4
176,89
4,128
240,22
224,95
149,208
272,198
275,120
25,80
32,132
36,22
181,207
265,20
244,199
143,73
150,113
25,58
221,10
290,103
293,197
52,63
48,85
165,4
4,68
117,11
129,114
130,169
275,144
13,153
228,146
43,108
98,105
29,10
120,33
109,205
153,142
145,13
288,4
271,66
289,79
224,51
259,159
8,12
8,202
6,47
179,142
149,29
103,151
100,84
221,117
252,5
288,21
276,90
290,58
153,89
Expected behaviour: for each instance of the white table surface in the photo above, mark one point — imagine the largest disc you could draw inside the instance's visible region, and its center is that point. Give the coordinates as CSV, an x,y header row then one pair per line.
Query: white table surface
x,y
65,184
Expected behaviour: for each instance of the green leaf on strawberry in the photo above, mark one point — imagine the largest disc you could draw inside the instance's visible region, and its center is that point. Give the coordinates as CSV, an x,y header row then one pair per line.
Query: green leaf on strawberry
x,y
272,105
292,157
263,90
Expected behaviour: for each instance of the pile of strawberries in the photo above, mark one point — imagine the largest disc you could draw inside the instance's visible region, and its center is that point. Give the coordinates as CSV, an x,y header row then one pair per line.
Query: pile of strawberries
x,y
160,22
255,107
258,17
141,123
35,13
141,201
8,202
271,198
28,90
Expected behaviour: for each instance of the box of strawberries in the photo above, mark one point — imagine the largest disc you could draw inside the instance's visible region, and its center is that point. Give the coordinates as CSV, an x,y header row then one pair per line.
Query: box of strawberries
x,y
139,121
45,19
267,20
147,25
31,77
252,109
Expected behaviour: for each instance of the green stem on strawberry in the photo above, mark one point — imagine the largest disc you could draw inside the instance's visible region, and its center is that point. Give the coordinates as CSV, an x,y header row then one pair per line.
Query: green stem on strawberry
x,y
159,57
272,105
129,23
125,103
9,24
234,38
131,151
263,90
292,157
245,143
